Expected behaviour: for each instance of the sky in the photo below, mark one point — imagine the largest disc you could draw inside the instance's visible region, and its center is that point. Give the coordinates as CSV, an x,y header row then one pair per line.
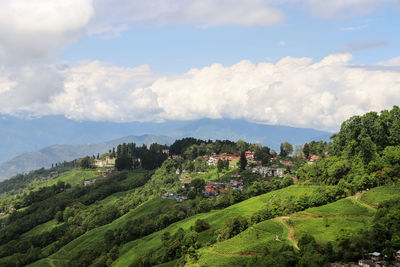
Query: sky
x,y
302,63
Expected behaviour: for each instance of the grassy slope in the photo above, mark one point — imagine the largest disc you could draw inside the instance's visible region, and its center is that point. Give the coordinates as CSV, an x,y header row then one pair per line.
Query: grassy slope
x,y
216,219
48,226
95,237
73,177
343,207
348,214
378,194
325,223
238,249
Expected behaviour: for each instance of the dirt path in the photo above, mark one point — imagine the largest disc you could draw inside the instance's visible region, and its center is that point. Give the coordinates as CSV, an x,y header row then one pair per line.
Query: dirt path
x,y
357,198
290,237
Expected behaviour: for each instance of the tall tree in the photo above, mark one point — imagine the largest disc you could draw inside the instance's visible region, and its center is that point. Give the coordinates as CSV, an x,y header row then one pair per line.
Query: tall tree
x,y
242,161
286,149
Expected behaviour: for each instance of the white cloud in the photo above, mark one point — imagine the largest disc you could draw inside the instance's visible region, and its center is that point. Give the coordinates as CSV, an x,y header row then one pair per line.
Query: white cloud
x,y
292,91
98,91
32,29
282,43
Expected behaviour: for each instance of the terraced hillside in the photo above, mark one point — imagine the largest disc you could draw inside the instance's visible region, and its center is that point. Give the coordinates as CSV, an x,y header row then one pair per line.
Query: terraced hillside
x,y
324,223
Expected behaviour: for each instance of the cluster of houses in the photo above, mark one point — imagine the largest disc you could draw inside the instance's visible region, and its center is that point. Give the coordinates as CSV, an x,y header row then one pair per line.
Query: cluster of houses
x,y
376,259
213,189
177,197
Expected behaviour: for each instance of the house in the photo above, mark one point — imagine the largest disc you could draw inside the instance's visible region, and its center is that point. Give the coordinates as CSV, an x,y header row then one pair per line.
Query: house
x,y
88,183
397,256
366,263
165,151
93,181
108,162
280,172
375,256
286,163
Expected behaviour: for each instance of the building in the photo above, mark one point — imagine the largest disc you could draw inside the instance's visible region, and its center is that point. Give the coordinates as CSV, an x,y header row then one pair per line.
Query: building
x,y
375,256
366,263
108,162
397,256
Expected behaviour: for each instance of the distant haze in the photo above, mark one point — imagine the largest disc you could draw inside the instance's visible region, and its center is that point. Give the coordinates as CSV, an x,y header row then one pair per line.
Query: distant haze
x,y
54,139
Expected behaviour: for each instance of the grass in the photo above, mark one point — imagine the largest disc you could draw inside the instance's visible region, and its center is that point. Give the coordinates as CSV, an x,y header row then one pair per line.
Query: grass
x,y
343,207
45,227
74,177
216,218
327,230
95,237
211,175
379,194
254,240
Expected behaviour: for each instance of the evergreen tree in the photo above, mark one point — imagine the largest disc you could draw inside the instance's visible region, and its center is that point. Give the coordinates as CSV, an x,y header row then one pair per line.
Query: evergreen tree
x,y
242,161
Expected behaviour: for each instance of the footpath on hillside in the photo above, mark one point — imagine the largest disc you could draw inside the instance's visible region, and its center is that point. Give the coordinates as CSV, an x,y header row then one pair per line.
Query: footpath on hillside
x,y
291,236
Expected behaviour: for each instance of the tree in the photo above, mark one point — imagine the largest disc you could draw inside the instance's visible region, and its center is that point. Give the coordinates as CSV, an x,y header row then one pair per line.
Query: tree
x,y
242,145
198,184
201,225
87,163
263,154
286,149
306,150
220,165
242,161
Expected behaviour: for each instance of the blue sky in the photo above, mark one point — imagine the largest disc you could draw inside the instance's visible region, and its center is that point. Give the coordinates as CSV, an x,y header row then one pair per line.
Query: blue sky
x,y
177,48
306,63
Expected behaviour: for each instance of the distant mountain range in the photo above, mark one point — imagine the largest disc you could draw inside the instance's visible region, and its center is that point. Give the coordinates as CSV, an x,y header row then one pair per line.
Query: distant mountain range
x,y
27,144
60,153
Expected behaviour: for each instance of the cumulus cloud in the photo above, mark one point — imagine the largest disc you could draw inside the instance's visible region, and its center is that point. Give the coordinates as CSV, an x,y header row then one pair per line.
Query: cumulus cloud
x,y
292,91
98,91
32,29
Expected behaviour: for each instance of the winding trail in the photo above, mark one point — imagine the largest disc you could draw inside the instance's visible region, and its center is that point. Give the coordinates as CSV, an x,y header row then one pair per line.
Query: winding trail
x,y
291,236
357,198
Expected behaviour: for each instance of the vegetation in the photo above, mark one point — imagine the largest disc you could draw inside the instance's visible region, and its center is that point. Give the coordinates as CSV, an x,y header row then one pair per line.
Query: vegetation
x,y
154,208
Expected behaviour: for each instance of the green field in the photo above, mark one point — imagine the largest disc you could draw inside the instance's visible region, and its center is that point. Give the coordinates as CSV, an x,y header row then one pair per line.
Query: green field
x,y
327,230
379,194
45,227
325,223
240,248
216,218
95,237
343,207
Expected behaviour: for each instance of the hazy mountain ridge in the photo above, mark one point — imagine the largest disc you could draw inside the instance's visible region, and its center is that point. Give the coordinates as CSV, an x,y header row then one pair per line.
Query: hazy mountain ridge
x,y
30,144
59,153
